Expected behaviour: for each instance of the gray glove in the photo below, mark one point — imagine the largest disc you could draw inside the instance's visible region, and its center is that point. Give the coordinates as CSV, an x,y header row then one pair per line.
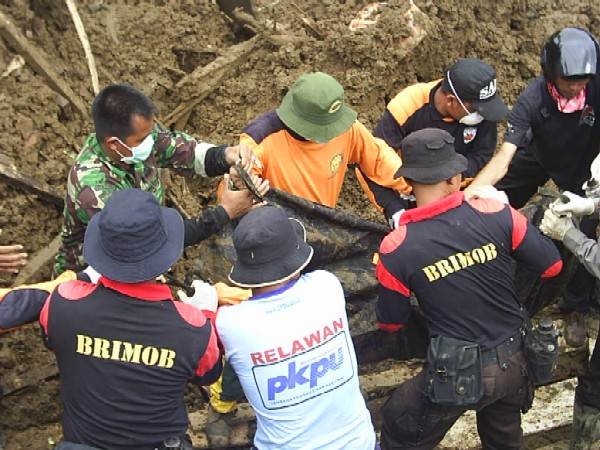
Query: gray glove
x,y
555,226
205,296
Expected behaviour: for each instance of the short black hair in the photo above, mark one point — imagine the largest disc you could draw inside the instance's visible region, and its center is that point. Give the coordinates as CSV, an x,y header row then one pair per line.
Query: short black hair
x,y
114,108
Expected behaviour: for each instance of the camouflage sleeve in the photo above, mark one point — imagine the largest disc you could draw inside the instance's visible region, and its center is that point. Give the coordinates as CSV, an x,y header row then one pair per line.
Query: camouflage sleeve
x,y
87,192
181,152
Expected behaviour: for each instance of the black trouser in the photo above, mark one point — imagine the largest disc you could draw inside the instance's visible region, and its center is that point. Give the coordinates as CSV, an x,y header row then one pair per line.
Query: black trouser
x,y
412,421
232,388
185,444
524,176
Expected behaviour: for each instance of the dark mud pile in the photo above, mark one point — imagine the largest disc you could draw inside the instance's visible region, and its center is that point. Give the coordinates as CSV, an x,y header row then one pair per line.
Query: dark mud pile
x,y
157,45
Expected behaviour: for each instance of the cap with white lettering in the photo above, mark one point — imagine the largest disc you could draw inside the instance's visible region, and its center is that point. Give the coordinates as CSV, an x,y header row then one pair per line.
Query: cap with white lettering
x,y
474,81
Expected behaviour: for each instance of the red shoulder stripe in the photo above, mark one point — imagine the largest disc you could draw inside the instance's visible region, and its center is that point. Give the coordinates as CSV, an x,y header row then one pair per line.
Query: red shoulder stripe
x,y
553,270
44,315
211,355
190,314
393,240
75,289
391,327
390,281
519,228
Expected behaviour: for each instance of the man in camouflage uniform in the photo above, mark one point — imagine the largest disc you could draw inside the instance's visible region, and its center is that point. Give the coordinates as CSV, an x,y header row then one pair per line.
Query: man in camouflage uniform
x,y
126,151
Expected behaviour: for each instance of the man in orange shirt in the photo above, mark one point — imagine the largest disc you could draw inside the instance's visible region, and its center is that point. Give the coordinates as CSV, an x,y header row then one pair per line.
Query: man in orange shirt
x,y
306,145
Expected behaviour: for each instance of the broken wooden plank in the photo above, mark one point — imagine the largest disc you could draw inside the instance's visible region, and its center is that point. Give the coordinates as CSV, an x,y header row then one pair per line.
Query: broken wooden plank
x,y
30,273
202,81
85,42
32,377
309,23
39,62
250,23
10,175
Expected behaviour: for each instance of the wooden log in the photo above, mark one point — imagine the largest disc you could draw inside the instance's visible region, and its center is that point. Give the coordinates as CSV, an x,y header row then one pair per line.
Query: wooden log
x,y
11,176
201,82
204,80
249,22
32,377
85,43
30,273
39,62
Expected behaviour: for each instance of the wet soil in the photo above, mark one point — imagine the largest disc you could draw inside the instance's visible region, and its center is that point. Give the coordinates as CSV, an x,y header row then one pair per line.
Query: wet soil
x,y
155,45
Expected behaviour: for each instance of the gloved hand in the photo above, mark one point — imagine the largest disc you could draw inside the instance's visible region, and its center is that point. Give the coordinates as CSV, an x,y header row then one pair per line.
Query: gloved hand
x,y
489,191
576,205
595,168
592,188
555,226
205,296
394,221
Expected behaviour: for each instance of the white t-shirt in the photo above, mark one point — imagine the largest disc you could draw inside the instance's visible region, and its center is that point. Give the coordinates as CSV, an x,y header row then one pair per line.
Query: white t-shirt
x,y
294,356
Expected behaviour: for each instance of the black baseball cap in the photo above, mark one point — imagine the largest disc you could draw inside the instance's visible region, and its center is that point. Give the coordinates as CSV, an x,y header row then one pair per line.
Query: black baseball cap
x,y
474,81
428,156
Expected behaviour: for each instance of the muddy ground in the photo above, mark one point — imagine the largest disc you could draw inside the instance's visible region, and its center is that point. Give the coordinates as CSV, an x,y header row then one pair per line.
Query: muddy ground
x,y
155,45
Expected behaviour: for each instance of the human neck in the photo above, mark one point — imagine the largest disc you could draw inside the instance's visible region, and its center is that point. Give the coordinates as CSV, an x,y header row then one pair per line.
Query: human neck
x,y
274,287
430,193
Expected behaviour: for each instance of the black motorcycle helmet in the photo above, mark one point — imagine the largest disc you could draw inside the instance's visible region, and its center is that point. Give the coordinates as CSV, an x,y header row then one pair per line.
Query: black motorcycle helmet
x,y
570,53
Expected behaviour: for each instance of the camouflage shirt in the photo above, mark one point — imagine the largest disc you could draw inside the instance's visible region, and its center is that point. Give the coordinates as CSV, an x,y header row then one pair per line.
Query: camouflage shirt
x,y
94,177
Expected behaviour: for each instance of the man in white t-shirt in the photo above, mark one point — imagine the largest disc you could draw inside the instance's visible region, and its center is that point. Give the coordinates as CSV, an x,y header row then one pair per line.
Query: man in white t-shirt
x,y
290,344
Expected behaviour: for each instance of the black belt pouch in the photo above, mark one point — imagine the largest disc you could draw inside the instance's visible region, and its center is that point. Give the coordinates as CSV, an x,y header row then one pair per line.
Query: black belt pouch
x,y
454,372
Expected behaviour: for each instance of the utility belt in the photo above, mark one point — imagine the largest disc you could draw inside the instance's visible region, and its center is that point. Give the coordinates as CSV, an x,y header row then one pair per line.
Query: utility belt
x,y
455,368
503,351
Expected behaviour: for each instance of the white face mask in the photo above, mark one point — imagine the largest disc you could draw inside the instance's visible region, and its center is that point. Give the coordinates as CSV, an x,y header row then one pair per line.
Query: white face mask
x,y
472,118
140,152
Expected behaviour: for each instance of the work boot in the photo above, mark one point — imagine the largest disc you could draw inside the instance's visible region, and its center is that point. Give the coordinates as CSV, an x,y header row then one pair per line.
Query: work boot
x,y
218,429
586,427
575,330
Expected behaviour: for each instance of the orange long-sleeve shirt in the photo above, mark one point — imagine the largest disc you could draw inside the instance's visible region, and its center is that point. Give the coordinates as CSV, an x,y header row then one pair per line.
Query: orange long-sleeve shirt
x,y
316,171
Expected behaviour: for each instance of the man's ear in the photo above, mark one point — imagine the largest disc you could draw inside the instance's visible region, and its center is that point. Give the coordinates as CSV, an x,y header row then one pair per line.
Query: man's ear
x,y
455,180
110,146
109,141
450,100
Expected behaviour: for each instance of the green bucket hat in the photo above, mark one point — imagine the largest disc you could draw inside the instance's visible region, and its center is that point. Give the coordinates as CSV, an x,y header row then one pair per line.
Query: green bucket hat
x,y
315,109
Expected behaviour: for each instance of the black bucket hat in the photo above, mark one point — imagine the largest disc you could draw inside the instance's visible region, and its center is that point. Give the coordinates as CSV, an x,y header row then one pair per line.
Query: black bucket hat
x,y
428,156
133,239
270,248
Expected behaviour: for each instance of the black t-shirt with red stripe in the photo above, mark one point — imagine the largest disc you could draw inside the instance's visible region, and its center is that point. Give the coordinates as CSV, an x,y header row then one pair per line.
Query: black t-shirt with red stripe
x,y
456,257
125,354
